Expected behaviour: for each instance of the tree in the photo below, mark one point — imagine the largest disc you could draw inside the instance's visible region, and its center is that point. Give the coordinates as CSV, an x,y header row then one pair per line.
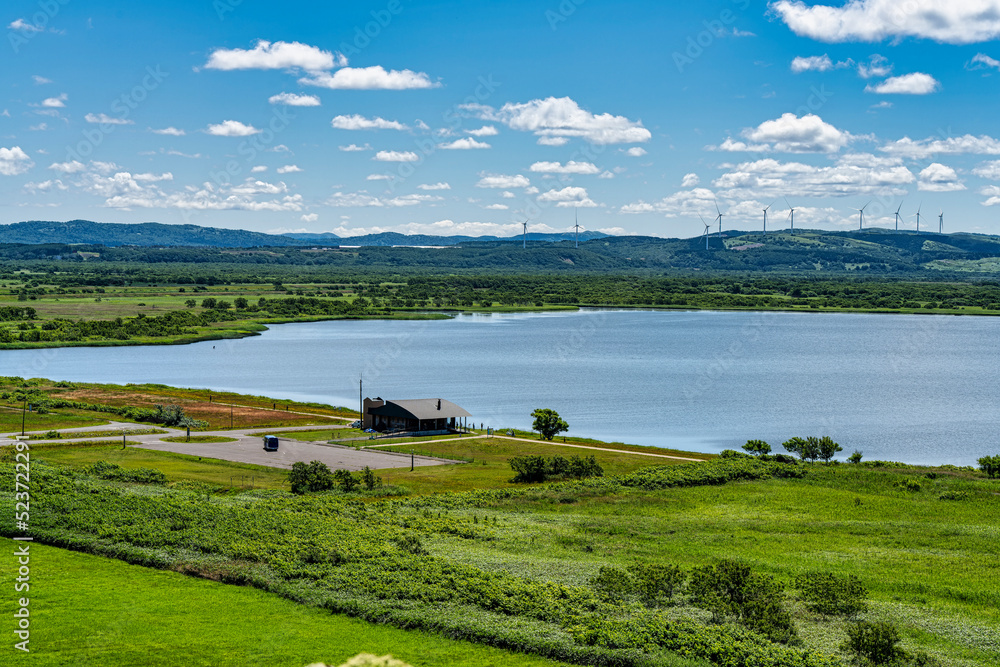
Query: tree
x,y
873,643
345,480
208,302
730,588
312,476
806,448
827,448
856,456
548,423
190,303
241,303
757,447
990,465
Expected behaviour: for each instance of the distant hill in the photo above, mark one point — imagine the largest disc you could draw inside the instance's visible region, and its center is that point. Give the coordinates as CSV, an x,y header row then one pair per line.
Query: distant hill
x,y
110,234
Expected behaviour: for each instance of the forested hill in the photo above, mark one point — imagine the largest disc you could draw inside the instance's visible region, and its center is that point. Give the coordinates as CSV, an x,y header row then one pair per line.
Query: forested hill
x,y
869,252
148,234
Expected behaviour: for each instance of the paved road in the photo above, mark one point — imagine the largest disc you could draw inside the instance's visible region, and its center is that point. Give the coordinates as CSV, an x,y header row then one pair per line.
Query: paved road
x,y
249,447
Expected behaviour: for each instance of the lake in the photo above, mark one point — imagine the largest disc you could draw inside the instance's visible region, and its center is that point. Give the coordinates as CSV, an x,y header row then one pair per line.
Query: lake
x,y
920,389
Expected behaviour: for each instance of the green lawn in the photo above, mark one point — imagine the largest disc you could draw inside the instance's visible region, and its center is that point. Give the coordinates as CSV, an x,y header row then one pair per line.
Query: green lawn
x,y
91,610
10,420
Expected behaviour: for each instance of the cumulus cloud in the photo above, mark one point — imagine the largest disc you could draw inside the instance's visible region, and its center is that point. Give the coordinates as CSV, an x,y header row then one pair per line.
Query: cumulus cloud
x,y
503,182
14,161
23,26
55,102
571,167
939,178
463,144
448,228
276,55
354,148
362,199
379,177
289,169
923,148
434,186
690,180
791,134
484,131
552,141
231,128
294,100
369,78
877,66
497,207
72,167
916,83
170,131
105,119
562,118
854,174
990,170
396,156
875,20
983,61
258,169
817,64
635,151
568,197
358,122
45,186
697,201
309,217
40,80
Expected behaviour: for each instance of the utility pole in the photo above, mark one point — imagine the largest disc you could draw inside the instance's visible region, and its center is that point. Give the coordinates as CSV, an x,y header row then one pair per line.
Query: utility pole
x,y
361,398
23,408
230,415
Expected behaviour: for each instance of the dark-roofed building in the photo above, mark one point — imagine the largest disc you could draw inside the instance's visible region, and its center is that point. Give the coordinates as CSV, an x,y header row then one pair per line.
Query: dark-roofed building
x,y
420,414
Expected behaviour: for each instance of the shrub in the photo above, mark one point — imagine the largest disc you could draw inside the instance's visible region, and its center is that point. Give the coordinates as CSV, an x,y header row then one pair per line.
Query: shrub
x,y
828,594
757,447
310,477
534,469
613,584
732,454
873,643
990,465
856,456
730,589
345,480
370,479
114,472
655,582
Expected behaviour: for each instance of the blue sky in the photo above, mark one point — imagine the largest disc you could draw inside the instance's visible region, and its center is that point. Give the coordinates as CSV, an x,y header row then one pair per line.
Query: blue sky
x,y
448,117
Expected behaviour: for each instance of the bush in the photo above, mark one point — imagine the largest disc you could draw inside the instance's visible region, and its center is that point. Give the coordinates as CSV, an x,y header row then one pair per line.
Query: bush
x,y
990,465
345,480
730,589
873,643
828,594
856,456
655,583
757,447
613,584
310,477
370,479
114,472
534,469
732,454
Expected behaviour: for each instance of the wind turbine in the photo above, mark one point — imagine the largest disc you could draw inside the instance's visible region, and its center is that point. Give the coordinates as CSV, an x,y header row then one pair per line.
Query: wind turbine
x,y
719,218
897,215
576,219
707,226
524,243
941,222
861,216
918,217
765,216
791,214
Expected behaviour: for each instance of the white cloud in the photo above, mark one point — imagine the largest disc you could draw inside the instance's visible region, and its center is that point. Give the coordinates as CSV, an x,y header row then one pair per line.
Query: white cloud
x,y
791,134
170,131
817,64
258,169
697,201
358,199
463,144
434,186
506,194
396,156
503,182
24,26
232,128
309,217
289,169
877,66
354,148
563,118
854,174
280,148
73,167
923,148
965,22
14,161
570,196
993,192
552,141
153,178
105,119
294,100
448,228
55,102
277,55
981,61
990,170
606,174
690,180
497,207
884,104
916,83
379,177
357,122
571,167
41,127
939,178
635,151
45,186
40,80
484,131
369,78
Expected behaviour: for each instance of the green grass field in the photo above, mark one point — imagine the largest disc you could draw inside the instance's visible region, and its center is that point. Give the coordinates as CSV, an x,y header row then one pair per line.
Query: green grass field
x,y
88,610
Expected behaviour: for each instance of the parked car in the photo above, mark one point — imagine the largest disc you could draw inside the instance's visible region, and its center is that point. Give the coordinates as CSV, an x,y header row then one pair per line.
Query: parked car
x,y
270,443
356,423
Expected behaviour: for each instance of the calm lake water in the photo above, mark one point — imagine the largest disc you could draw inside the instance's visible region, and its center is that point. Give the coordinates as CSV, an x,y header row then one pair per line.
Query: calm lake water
x,y
920,389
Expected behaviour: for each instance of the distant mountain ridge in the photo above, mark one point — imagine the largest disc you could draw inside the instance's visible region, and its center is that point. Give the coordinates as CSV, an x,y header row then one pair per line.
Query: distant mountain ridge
x,y
114,234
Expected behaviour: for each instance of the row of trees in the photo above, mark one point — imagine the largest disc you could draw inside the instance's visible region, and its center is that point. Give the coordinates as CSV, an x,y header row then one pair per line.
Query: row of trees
x,y
807,449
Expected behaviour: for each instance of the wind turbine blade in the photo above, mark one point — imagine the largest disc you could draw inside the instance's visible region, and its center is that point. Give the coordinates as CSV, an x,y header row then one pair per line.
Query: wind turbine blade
x,y
900,206
866,205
